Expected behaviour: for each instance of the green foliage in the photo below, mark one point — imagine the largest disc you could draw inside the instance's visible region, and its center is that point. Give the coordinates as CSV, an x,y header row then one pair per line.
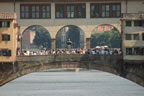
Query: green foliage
x,y
58,41
109,38
73,34
42,39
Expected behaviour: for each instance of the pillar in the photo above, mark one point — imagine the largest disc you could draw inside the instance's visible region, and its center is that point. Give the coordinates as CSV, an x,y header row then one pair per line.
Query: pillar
x,y
52,11
88,10
122,38
53,43
87,43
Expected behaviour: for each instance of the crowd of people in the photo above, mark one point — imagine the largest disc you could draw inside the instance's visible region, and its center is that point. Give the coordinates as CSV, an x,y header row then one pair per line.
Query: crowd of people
x,y
105,51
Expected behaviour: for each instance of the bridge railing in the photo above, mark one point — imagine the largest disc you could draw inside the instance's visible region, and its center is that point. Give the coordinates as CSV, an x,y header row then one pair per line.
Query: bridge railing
x,y
67,57
71,52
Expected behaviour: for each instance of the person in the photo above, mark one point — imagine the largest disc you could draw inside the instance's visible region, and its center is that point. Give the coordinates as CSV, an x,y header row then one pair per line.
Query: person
x,y
28,52
81,51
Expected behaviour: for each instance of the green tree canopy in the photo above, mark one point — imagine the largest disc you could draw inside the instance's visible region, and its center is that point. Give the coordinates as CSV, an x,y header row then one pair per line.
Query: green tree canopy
x,y
109,38
42,39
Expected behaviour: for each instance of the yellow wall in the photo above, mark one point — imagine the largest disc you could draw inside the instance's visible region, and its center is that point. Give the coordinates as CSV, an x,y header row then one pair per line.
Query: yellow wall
x,y
10,45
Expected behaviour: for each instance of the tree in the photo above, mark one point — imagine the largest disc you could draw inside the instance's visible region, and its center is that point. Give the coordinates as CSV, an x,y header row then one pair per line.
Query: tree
x,y
73,33
109,38
42,39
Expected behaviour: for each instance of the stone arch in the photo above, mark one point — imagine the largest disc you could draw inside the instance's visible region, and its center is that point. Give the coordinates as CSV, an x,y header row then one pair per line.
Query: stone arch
x,y
65,32
115,26
107,27
107,63
34,29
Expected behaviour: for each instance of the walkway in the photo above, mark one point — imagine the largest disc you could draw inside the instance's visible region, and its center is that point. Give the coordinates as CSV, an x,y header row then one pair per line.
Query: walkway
x,y
84,83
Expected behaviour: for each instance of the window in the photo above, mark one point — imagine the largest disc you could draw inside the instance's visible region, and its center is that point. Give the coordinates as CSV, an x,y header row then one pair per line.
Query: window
x,y
105,10
128,37
96,28
142,36
81,11
116,11
136,51
128,51
5,37
46,11
103,28
35,11
25,12
5,24
110,27
59,11
95,10
70,11
5,52
135,36
138,23
128,23
0,53
142,51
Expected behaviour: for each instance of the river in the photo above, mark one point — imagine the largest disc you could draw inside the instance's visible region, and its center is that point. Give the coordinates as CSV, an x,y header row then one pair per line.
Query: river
x,y
83,83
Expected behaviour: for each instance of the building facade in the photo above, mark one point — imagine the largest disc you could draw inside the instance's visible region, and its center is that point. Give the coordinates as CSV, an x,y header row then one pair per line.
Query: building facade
x,y
8,37
133,36
53,15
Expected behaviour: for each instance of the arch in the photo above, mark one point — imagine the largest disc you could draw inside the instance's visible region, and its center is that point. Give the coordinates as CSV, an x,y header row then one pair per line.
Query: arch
x,y
101,37
115,27
36,36
107,63
72,32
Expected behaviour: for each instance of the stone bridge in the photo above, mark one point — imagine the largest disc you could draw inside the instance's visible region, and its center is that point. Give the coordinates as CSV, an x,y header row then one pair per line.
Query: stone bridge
x,y
108,63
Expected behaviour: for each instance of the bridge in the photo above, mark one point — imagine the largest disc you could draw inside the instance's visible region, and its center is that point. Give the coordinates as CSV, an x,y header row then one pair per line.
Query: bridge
x,y
53,24
108,63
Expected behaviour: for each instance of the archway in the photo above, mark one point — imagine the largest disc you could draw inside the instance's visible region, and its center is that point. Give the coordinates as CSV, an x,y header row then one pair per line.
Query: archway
x,y
35,37
105,35
74,33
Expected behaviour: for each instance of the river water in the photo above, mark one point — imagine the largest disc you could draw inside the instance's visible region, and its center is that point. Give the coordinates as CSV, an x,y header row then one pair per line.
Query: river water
x,y
84,83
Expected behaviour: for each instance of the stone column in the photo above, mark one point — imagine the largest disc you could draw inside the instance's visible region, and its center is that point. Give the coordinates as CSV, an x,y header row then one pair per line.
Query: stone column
x,y
122,38
53,43
88,43
52,11
87,10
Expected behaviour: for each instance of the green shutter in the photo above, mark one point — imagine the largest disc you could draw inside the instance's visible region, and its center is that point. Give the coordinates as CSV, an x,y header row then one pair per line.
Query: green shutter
x,y
128,37
8,37
0,24
138,23
8,24
2,37
128,23
9,52
0,53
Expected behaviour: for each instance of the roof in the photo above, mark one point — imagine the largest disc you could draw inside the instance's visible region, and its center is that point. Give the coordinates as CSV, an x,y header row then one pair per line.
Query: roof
x,y
60,0
7,16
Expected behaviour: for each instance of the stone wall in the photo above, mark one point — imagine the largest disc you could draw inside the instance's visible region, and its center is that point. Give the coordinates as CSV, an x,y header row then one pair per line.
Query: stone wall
x,y
107,63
